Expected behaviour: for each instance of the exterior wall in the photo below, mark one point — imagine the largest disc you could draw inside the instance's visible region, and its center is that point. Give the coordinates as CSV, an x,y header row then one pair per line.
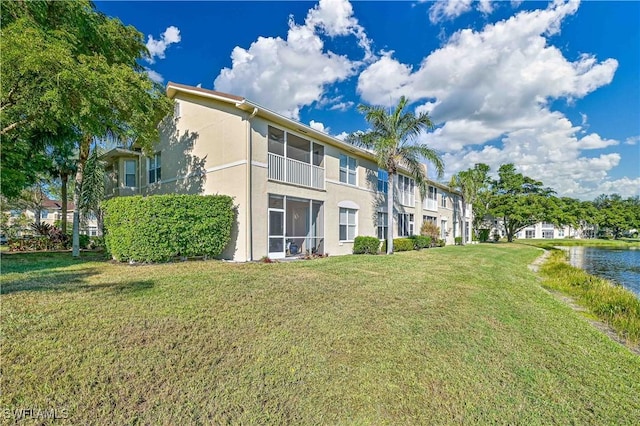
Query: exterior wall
x,y
214,147
52,216
542,230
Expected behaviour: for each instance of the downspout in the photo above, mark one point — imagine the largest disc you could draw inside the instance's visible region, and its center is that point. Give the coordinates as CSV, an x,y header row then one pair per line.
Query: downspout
x,y
250,183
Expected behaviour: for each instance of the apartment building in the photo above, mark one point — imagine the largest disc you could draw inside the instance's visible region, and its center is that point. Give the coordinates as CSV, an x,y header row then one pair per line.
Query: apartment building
x,y
51,212
297,190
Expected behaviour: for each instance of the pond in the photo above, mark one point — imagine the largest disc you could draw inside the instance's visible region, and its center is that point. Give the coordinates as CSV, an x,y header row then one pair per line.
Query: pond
x,y
619,266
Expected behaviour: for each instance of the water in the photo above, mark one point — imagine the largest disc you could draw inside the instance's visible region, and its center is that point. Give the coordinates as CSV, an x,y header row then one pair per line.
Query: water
x,y
619,266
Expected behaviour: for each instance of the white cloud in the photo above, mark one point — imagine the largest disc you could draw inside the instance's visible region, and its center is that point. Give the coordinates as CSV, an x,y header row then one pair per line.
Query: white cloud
x,y
490,92
157,48
286,75
342,106
316,125
157,77
485,6
632,140
342,136
443,10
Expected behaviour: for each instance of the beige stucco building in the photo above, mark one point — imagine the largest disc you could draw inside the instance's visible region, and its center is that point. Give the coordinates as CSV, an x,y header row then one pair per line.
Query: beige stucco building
x,y
297,190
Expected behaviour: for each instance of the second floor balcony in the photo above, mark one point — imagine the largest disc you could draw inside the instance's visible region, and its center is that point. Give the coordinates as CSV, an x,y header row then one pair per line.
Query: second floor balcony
x,y
297,172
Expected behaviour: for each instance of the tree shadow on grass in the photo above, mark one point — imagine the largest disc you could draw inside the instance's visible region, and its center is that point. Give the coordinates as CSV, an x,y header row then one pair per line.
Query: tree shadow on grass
x,y
72,281
40,261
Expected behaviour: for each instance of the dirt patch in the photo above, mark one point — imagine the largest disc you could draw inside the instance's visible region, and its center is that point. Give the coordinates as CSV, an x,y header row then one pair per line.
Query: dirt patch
x,y
571,302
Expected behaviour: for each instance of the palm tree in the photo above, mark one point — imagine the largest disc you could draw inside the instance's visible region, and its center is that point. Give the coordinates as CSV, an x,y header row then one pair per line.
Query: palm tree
x,y
392,139
470,183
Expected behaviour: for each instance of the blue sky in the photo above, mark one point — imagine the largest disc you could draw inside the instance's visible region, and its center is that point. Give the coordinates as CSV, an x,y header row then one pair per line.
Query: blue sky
x,y
550,86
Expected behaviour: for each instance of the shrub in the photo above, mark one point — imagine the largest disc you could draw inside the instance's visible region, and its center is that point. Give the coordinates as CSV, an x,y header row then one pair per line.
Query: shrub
x,y
484,235
366,245
96,243
458,241
399,244
159,228
441,243
430,229
420,241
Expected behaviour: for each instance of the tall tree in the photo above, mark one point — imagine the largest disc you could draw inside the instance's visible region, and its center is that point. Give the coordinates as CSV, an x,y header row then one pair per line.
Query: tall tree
x,y
617,215
392,139
93,186
519,201
472,183
88,79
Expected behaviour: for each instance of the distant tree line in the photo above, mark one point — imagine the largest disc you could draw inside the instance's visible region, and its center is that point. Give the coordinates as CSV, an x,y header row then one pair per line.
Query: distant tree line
x,y
518,201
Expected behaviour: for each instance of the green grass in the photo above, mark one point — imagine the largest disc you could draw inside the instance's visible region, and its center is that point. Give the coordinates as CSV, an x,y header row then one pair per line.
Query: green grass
x,y
624,243
613,304
451,335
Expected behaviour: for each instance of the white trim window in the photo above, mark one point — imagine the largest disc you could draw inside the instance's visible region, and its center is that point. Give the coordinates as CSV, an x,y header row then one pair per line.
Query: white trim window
x,y
383,225
431,200
443,229
529,233
154,168
443,201
130,173
44,214
383,181
176,109
348,224
406,190
405,224
348,167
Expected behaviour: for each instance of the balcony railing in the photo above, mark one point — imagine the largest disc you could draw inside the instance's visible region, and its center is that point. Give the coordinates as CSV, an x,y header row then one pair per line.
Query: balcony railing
x,y
430,204
293,171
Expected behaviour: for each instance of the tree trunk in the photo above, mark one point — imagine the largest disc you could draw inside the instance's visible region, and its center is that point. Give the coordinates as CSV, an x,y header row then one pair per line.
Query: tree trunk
x,y
390,214
464,223
64,177
85,145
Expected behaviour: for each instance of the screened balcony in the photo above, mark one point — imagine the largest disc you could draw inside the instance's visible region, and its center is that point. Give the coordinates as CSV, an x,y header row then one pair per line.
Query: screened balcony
x,y
295,160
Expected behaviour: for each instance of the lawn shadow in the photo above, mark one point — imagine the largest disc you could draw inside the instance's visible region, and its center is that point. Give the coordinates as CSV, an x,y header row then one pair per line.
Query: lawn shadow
x,y
72,282
40,261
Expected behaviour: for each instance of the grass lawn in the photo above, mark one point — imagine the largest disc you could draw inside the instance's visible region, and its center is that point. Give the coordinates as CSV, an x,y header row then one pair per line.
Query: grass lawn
x,y
624,243
451,335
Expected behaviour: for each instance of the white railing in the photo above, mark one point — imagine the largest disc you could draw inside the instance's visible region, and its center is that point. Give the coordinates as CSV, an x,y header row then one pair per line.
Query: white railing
x,y
430,204
293,171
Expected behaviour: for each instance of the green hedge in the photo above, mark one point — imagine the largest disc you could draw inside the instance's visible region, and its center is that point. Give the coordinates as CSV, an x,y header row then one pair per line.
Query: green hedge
x,y
420,241
366,245
399,244
159,228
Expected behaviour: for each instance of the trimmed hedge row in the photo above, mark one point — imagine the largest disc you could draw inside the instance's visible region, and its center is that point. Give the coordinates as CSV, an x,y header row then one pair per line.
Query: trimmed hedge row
x,y
366,245
159,228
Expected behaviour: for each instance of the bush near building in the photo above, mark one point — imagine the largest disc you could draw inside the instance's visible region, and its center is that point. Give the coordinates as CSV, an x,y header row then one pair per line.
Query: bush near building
x,y
160,228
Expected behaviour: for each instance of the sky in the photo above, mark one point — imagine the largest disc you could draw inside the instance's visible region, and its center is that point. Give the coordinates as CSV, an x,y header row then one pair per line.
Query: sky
x,y
553,87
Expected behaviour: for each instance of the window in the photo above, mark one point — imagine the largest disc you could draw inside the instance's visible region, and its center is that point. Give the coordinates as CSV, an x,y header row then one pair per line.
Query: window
x,y
405,224
530,233
443,229
176,109
431,201
15,213
347,224
431,219
154,168
561,233
130,173
347,169
443,201
547,234
406,188
383,181
44,214
383,225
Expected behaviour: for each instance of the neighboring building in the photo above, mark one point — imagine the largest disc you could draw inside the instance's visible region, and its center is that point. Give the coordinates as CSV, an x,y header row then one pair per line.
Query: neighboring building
x,y
297,190
543,230
51,213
